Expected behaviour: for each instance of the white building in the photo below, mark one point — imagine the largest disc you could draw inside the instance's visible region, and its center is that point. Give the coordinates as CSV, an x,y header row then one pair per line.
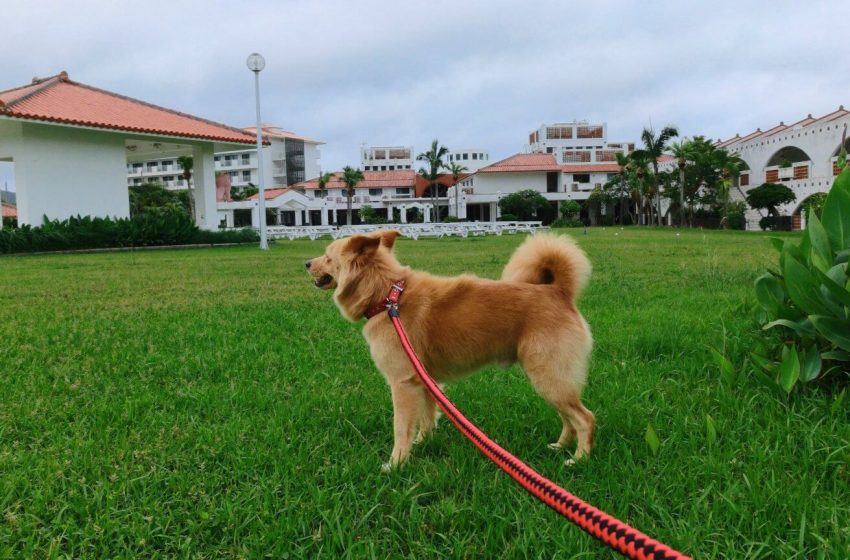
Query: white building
x,y
472,159
69,144
476,196
288,159
577,142
801,155
386,158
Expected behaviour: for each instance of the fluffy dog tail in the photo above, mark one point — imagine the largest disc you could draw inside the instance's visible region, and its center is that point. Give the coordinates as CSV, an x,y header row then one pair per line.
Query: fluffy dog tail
x,y
550,259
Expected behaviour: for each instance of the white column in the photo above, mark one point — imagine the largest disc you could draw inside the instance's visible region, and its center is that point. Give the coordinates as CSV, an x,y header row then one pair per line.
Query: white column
x,y
307,216
389,213
297,217
403,212
494,211
427,218
462,208
324,215
203,178
229,218
255,216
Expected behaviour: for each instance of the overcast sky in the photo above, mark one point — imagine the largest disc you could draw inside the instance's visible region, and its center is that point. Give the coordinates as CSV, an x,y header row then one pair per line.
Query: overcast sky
x,y
472,74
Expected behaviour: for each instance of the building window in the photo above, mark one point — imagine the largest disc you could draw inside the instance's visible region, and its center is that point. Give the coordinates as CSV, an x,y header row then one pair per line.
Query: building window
x,y
581,177
246,175
376,192
383,168
475,156
589,132
321,193
745,179
574,156
465,157
392,168
246,159
402,190
559,132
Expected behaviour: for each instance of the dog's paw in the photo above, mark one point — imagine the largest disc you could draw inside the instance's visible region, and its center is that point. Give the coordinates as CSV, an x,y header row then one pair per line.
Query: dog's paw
x,y
387,468
570,462
555,446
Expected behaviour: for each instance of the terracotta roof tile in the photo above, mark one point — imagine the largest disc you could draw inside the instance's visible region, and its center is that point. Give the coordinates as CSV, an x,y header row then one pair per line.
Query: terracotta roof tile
x,y
9,210
58,99
271,193
523,162
275,132
404,178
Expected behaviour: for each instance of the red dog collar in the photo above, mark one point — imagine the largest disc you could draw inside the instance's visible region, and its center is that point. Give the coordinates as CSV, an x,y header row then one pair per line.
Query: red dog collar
x,y
391,301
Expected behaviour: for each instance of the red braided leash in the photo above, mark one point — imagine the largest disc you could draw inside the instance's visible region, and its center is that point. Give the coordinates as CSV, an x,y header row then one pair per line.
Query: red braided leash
x,y
611,531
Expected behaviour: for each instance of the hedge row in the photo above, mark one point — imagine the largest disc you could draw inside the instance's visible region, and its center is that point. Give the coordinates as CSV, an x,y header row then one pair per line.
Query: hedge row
x,y
165,227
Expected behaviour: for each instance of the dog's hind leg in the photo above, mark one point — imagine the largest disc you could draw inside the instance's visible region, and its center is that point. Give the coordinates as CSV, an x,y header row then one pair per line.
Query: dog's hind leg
x,y
556,379
408,395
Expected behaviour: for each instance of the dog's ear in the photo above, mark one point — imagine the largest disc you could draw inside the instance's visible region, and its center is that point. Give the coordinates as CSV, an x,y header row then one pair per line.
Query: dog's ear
x,y
388,238
363,246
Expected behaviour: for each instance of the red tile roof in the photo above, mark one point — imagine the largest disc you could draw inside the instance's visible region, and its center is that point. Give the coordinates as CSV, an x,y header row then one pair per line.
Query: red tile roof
x,y
405,178
371,179
523,162
10,210
781,127
271,193
60,100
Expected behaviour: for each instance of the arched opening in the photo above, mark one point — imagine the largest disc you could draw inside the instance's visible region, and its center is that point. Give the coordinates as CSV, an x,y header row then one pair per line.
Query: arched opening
x,y
834,158
813,202
787,164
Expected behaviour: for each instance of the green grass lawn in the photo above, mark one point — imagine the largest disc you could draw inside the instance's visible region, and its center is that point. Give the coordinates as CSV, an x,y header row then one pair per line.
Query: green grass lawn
x,y
212,403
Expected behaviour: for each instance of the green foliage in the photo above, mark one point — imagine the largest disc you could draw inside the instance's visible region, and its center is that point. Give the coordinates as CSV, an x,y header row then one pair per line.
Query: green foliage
x,y
805,305
508,218
243,193
150,228
153,197
815,204
369,215
736,215
768,196
570,208
523,204
566,223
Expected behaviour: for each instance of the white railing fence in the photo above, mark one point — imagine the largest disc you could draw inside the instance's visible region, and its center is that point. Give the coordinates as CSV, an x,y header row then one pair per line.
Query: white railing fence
x,y
413,231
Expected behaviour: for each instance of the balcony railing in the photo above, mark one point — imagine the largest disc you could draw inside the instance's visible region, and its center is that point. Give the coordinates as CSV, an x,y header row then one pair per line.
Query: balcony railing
x,y
796,171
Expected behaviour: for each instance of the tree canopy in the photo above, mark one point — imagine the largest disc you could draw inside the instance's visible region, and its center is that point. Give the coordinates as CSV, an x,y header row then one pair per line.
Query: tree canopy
x,y
523,204
770,195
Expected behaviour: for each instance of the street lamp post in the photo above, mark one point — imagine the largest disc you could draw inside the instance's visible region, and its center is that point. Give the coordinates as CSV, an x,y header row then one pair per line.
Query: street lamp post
x,y
682,163
256,63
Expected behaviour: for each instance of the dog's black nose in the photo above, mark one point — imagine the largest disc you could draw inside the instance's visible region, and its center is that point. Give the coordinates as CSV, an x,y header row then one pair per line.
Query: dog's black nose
x,y
307,264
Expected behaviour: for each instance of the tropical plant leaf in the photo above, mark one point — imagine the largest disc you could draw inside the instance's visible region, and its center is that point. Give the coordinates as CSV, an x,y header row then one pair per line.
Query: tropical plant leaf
x,y
821,251
836,355
836,211
763,363
789,370
803,288
830,281
801,328
777,243
727,370
810,364
652,439
770,292
836,331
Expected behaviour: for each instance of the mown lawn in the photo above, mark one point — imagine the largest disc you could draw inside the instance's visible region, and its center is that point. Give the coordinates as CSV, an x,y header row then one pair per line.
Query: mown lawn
x,y
213,404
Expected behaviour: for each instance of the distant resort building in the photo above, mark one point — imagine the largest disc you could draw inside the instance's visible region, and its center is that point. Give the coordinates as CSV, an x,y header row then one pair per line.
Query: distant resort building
x,y
288,159
564,161
472,159
394,195
385,158
801,155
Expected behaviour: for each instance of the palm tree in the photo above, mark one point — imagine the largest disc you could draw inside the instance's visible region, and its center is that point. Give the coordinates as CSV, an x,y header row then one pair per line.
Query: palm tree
x,y
682,154
730,167
186,163
456,169
350,177
639,164
324,179
434,157
654,146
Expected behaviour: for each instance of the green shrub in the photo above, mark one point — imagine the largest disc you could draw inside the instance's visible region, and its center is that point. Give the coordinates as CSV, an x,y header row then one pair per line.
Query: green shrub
x,y
565,222
736,215
805,305
508,218
153,227
526,204
369,215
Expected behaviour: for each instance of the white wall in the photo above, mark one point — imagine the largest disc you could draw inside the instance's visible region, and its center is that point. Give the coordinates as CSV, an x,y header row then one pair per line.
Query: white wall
x,y
63,171
492,183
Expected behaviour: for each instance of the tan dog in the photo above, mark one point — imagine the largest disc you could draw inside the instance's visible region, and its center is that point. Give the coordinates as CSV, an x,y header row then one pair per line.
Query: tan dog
x,y
458,325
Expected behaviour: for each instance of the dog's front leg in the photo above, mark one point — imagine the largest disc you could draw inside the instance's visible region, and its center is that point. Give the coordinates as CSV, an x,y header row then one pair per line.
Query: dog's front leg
x,y
408,394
